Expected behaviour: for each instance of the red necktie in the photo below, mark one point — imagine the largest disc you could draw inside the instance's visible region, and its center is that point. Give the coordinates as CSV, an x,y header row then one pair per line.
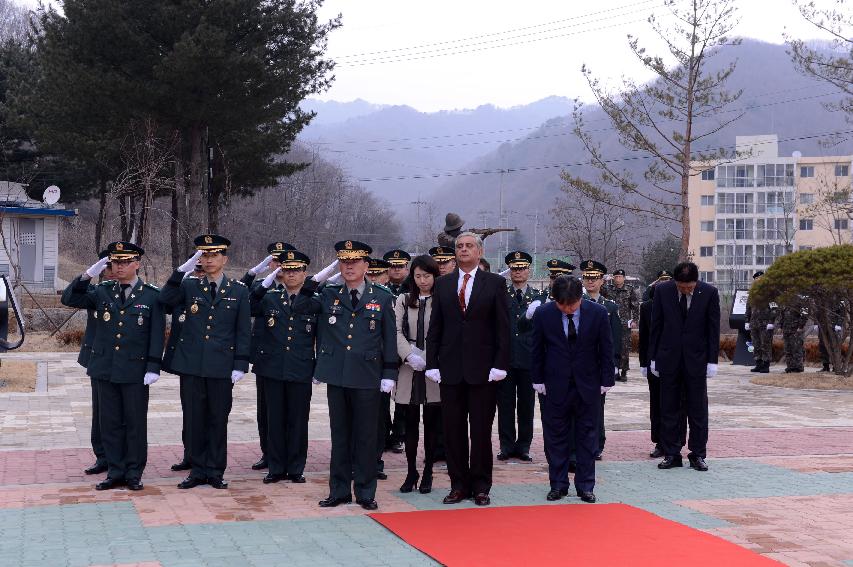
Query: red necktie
x,y
462,292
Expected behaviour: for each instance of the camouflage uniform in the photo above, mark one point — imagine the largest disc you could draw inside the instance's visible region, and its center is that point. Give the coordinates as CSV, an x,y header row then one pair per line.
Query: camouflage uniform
x,y
628,300
793,319
759,316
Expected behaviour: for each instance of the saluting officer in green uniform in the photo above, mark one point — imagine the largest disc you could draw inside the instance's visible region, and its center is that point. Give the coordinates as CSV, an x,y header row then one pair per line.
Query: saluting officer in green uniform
x,y
517,387
356,358
126,355
556,268
100,465
212,352
593,278
283,360
178,317
268,263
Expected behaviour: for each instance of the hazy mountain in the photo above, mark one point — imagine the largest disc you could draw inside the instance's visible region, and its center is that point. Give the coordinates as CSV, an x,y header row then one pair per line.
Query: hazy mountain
x,y
332,111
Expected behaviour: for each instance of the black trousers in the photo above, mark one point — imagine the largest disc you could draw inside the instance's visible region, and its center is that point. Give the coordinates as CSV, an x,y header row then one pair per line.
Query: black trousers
x,y
465,406
398,428
681,392
186,426
383,428
432,416
95,432
210,406
263,428
123,415
654,412
516,387
288,405
601,435
353,418
570,431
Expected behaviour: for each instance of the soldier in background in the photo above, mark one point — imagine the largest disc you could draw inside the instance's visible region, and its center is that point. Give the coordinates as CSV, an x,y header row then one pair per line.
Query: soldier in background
x,y
445,256
662,276
100,465
760,322
377,272
484,265
556,268
628,301
399,270
793,318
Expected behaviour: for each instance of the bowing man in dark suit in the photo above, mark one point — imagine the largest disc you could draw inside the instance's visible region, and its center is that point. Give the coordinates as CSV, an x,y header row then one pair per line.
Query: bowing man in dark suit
x,y
684,344
572,367
467,352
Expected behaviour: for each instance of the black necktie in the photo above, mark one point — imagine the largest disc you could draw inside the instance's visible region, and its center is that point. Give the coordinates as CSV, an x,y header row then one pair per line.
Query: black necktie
x,y
519,296
682,304
292,299
353,293
573,332
212,291
124,288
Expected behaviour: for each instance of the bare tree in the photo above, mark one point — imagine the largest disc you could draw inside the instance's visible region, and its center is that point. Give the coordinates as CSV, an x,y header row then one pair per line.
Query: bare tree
x,y
14,21
665,118
832,209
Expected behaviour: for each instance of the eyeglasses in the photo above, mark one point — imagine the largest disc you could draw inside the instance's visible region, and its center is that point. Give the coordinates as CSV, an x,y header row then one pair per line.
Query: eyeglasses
x,y
519,269
592,278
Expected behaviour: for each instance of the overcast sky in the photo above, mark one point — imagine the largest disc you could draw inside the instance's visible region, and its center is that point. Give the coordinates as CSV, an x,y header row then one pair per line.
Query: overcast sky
x,y
446,54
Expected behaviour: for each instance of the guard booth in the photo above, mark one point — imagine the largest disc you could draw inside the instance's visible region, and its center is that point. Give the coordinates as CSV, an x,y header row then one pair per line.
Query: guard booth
x,y
737,320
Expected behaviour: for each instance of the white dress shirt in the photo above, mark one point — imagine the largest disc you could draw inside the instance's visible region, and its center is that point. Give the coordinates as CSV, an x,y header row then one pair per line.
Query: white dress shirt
x,y
473,274
577,319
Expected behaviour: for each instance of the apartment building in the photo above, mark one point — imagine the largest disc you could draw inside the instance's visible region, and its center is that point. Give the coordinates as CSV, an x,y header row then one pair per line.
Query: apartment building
x,y
746,213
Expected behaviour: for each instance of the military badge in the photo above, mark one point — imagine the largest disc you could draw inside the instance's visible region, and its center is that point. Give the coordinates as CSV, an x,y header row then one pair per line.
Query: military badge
x,y
106,316
332,320
182,318
140,320
271,322
194,308
372,324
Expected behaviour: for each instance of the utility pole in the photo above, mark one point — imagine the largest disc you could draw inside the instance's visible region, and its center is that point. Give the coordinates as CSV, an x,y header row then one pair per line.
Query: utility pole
x,y
421,229
535,217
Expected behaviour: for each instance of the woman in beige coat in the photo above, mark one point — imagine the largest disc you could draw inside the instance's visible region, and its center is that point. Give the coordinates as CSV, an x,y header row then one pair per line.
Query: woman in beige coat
x,y
413,389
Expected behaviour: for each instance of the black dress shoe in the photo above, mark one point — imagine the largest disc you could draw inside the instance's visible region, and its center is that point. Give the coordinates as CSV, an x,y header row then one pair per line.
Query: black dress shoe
x,y
555,494
598,456
697,463
381,475
331,502
397,447
191,482
587,496
504,456
134,484
426,482
261,464
182,466
670,462
296,478
573,467
368,504
482,499
110,483
657,453
455,497
410,482
825,368
273,478
97,468
525,457
217,482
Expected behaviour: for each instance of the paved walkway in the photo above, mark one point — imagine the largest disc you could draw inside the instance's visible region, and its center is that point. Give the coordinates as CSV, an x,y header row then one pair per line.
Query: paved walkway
x,y
781,482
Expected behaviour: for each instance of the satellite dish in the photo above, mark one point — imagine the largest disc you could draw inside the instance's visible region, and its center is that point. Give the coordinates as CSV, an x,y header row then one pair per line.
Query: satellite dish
x,y
51,195
797,154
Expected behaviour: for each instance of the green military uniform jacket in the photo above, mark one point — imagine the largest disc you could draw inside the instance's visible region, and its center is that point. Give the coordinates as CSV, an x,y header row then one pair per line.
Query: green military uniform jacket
x,y
615,325
174,334
89,333
521,328
129,334
626,299
759,316
283,335
216,334
356,348
794,316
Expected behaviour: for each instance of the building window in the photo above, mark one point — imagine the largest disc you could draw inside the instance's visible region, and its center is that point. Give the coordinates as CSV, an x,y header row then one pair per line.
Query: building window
x,y
773,228
806,224
735,175
734,255
841,224
842,170
807,171
707,226
707,200
706,251
734,229
806,198
707,277
735,203
766,254
708,175
733,278
774,202
775,175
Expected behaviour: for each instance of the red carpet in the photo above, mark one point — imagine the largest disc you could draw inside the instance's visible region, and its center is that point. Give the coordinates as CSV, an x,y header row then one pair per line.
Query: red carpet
x,y
533,536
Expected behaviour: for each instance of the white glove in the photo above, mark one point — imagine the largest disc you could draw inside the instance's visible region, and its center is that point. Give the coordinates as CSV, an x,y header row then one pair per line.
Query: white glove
x,y
711,371
532,309
644,371
616,371
268,281
262,267
539,388
504,273
496,375
324,274
150,378
770,326
336,279
98,267
654,369
189,265
434,374
416,362
236,376
837,328
386,385
746,326
605,389
315,381
630,323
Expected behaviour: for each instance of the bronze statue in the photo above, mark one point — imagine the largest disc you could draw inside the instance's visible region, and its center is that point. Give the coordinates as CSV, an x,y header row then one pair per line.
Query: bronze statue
x,y
453,227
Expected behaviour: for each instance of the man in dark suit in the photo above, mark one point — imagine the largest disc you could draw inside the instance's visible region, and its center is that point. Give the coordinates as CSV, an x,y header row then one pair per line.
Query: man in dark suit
x,y
467,352
684,343
572,367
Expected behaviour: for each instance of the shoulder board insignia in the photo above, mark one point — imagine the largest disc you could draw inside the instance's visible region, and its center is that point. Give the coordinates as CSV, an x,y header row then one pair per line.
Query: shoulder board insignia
x,y
152,286
108,283
383,288
333,286
239,282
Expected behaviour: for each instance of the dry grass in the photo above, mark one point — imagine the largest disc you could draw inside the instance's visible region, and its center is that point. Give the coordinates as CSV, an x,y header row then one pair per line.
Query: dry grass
x,y
42,342
17,376
806,381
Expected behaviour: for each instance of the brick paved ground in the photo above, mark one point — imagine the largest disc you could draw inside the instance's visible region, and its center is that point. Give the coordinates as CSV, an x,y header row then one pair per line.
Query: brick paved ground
x,y
781,483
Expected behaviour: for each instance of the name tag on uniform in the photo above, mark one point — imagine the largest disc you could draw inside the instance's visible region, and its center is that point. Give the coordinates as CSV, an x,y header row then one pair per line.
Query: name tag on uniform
x,y
140,306
373,307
